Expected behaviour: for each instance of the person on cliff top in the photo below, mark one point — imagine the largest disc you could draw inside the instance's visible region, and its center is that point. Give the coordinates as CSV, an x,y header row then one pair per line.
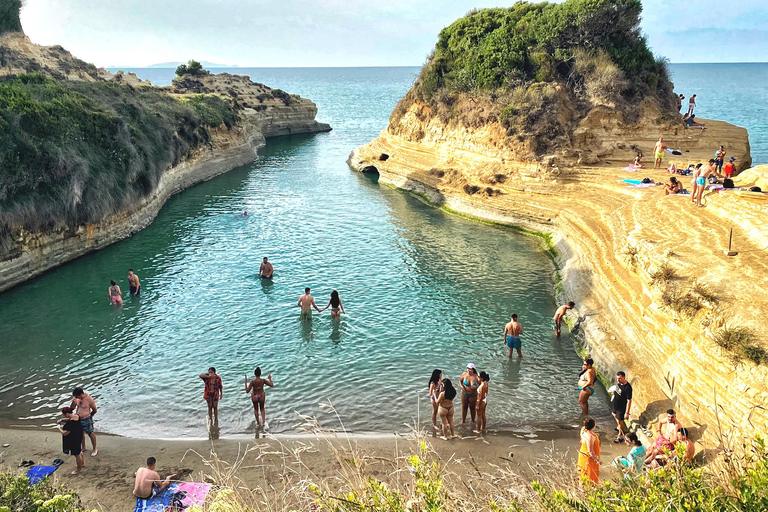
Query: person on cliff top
x,y
589,454
730,168
512,332
72,437
691,105
85,407
266,270
134,285
114,294
666,435
701,180
680,99
673,187
621,403
719,158
469,382
695,182
658,153
557,320
214,391
587,379
306,303
258,395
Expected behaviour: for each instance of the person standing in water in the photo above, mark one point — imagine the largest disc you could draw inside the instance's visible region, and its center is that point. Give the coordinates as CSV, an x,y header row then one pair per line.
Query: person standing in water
x,y
469,382
482,402
445,409
512,332
258,395
214,391
557,320
85,406
337,308
586,384
306,303
134,286
435,388
266,269
115,294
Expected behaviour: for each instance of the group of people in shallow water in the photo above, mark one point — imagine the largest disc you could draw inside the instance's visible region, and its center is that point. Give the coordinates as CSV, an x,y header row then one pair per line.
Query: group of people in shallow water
x,y
473,387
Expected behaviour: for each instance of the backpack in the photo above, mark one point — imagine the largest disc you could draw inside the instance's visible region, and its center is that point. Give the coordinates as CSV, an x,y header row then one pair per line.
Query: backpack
x,y
712,179
755,189
727,183
647,180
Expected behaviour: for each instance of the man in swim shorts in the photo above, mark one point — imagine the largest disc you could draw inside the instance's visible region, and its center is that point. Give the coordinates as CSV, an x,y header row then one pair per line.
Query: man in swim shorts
x,y
667,435
691,105
148,483
557,320
85,407
621,402
214,391
266,269
512,332
701,180
134,286
306,303
658,153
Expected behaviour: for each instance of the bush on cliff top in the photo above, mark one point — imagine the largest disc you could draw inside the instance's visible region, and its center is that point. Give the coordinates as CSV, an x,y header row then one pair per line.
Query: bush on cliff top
x,y
72,153
9,16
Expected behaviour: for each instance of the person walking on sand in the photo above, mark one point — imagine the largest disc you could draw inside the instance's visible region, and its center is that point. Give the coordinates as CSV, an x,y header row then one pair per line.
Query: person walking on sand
x,y
337,308
214,391
148,483
72,437
621,403
482,403
85,407
512,332
469,382
445,409
134,285
306,303
435,388
114,294
589,454
266,269
587,379
691,105
658,153
557,320
258,395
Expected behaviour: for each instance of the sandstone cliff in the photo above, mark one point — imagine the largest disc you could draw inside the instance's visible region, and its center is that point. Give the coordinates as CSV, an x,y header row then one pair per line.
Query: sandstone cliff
x,y
653,287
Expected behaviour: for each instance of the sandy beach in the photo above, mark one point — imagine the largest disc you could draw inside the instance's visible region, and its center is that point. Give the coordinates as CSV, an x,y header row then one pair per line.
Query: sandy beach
x,y
274,462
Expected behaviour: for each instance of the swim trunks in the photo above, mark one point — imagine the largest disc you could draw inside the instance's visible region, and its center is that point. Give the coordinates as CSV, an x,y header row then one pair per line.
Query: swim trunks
x,y
701,181
660,156
134,291
306,314
87,424
513,342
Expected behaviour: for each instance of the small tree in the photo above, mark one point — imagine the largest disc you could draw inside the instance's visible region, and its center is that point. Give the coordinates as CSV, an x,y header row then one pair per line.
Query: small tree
x,y
192,67
9,16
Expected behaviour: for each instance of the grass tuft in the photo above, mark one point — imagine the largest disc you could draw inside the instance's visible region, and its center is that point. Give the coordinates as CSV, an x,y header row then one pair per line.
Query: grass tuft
x,y
663,274
742,344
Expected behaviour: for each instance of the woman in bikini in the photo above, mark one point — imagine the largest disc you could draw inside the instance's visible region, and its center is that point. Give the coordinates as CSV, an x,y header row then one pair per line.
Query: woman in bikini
x,y
445,409
586,384
482,403
435,388
469,384
258,395
337,308
115,294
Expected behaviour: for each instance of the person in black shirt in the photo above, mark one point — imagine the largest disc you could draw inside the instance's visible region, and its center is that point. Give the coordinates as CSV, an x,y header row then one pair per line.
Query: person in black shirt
x,y
621,403
72,437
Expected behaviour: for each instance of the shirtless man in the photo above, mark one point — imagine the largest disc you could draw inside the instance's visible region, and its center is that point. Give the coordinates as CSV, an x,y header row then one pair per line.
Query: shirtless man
x,y
658,153
557,320
700,177
266,269
114,294
214,391
306,303
691,105
134,286
690,448
258,396
719,157
512,332
148,482
85,406
666,435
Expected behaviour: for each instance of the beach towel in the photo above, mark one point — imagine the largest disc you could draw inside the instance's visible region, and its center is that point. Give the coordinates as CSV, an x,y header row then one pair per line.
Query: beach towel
x,y
642,185
632,168
178,496
37,474
633,182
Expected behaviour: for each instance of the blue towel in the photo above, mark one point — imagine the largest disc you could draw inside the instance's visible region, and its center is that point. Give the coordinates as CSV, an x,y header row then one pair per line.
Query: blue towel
x,y
633,182
37,474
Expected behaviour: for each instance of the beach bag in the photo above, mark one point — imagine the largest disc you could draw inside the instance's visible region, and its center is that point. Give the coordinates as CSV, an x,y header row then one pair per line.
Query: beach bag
x,y
755,189
727,183
647,180
712,179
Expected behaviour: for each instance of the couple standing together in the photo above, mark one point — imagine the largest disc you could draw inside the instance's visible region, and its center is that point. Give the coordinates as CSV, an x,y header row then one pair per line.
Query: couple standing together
x,y
307,302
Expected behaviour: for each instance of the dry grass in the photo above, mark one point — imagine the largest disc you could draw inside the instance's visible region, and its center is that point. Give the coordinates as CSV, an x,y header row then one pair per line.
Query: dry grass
x,y
683,302
663,274
741,344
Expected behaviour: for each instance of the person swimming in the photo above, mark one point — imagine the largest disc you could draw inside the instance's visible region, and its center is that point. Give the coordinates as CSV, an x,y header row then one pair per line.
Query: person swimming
x,y
115,294
258,395
337,308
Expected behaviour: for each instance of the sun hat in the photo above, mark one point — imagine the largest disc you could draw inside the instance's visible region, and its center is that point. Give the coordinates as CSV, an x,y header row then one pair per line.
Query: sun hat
x,y
732,159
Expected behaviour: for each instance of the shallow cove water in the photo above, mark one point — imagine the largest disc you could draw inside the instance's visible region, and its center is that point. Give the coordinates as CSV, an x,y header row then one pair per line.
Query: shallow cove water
x,y
422,290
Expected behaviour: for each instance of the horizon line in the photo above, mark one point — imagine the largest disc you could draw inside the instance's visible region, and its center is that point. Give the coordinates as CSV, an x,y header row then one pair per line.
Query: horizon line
x,y
154,66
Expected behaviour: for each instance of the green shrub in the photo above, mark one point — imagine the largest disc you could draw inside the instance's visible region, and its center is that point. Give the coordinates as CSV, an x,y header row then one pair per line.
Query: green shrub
x,y
9,16
192,68
741,344
213,110
16,495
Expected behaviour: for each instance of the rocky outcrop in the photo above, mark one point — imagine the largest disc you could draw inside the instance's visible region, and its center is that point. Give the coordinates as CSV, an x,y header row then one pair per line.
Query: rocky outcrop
x,y
653,287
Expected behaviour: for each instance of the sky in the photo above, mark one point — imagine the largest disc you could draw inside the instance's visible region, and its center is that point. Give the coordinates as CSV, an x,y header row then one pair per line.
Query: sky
x,y
267,33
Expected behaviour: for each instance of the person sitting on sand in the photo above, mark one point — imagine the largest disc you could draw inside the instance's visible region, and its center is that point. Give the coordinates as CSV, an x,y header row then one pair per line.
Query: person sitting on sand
x,y
683,446
673,187
482,403
469,382
557,320
72,437
266,270
637,164
114,294
435,388
306,303
690,122
666,436
148,483
445,409
337,308
633,462
589,453
658,152
258,395
214,391
586,384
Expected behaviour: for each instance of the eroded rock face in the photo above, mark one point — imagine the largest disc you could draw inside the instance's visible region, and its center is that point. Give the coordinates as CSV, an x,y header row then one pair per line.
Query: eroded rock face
x,y
612,241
